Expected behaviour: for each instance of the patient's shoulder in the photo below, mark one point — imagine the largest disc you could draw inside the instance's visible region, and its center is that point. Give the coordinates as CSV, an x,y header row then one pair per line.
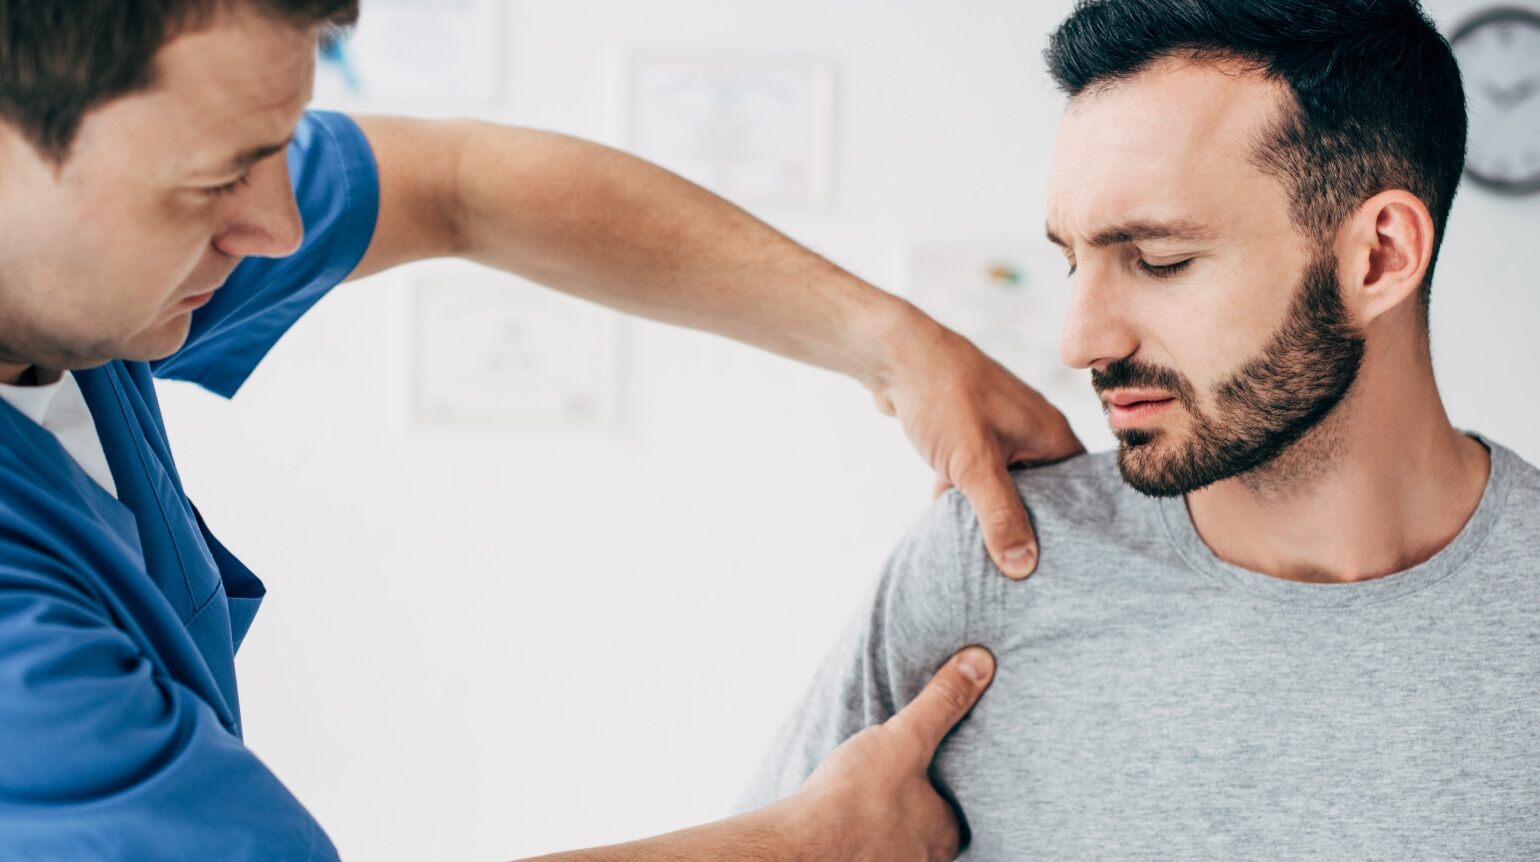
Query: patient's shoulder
x,y
1084,495
1086,486
1524,476
1078,507
1516,499
940,589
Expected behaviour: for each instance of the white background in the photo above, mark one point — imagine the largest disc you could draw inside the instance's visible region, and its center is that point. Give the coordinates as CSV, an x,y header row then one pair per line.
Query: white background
x,y
486,644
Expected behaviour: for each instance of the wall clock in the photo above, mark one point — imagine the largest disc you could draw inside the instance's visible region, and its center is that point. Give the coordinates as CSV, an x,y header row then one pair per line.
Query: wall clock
x,y
1499,56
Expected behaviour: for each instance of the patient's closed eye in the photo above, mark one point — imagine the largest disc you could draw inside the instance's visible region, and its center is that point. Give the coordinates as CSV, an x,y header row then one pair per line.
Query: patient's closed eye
x,y
1163,270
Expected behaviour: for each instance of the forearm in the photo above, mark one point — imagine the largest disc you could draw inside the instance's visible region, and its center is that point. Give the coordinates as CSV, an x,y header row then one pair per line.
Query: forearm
x,y
780,833
614,229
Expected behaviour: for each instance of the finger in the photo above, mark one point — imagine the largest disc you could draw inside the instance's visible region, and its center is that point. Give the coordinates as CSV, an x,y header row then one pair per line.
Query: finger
x,y
1007,529
948,696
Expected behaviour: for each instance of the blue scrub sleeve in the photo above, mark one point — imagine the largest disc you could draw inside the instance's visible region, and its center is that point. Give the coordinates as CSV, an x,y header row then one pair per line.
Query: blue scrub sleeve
x,y
104,757
336,184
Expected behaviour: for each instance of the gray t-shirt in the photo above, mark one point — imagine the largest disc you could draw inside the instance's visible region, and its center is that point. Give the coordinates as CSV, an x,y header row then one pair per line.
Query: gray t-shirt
x,y
1152,701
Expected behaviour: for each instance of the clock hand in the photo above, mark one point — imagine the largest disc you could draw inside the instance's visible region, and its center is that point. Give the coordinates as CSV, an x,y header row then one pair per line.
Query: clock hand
x,y
1525,88
1509,97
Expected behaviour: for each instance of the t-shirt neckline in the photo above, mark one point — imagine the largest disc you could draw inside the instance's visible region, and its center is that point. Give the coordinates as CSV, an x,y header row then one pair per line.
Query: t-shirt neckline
x,y
34,401
1184,536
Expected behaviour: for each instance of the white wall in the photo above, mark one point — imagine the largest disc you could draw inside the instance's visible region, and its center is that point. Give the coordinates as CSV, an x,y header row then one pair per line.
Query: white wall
x,y
491,644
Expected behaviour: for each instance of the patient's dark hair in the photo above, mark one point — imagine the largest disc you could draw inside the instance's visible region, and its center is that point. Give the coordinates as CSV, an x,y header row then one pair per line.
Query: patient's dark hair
x,y
61,58
1378,102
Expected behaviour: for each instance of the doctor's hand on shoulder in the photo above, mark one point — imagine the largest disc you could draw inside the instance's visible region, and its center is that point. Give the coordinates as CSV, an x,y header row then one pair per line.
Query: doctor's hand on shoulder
x,y
971,419
871,800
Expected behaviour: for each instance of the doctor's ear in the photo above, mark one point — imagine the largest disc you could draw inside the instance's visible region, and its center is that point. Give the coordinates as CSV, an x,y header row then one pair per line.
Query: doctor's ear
x,y
1383,251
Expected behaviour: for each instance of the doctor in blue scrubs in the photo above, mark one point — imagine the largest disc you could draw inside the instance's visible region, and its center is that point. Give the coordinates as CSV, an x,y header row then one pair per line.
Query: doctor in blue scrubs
x,y
169,209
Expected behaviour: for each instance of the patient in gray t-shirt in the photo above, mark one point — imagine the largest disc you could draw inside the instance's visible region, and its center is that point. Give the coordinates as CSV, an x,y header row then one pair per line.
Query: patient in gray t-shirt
x,y
1153,701
1297,613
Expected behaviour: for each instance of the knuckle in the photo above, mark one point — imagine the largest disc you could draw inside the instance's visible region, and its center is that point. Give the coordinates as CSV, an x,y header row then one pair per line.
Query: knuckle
x,y
957,697
913,747
1001,519
973,468
944,838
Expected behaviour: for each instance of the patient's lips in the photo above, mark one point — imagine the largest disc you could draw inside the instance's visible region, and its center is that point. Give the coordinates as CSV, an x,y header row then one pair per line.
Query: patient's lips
x,y
1130,408
1126,397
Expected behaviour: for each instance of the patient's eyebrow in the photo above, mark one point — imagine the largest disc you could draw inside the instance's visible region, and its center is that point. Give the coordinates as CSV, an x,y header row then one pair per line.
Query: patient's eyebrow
x,y
1141,230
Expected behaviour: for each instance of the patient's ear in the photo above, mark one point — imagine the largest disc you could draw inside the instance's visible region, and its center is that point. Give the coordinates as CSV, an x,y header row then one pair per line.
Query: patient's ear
x,y
1383,252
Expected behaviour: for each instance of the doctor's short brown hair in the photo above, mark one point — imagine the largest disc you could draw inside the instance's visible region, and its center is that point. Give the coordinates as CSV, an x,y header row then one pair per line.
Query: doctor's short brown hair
x,y
59,59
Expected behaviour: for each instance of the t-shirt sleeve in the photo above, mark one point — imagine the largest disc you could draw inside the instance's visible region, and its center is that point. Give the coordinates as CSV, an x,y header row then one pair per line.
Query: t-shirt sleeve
x,y
336,184
102,756
921,611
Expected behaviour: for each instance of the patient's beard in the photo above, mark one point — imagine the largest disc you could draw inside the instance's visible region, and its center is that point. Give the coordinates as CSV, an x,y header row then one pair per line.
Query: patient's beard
x,y
1272,402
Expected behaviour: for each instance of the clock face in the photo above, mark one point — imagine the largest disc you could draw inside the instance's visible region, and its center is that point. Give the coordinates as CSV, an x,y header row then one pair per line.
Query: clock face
x,y
1499,55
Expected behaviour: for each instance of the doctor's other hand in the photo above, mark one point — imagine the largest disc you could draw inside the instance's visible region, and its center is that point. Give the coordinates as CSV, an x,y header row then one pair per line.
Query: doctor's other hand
x,y
873,796
871,799
971,419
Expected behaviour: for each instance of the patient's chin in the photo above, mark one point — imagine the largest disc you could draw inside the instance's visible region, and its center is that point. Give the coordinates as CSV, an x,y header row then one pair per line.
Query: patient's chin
x,y
1147,463
1157,463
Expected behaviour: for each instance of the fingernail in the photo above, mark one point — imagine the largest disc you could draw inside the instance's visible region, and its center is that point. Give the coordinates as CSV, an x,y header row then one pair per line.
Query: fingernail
x,y
1019,561
976,664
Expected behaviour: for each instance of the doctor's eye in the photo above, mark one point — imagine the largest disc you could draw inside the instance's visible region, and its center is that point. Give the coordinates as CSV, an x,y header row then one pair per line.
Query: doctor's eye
x,y
228,188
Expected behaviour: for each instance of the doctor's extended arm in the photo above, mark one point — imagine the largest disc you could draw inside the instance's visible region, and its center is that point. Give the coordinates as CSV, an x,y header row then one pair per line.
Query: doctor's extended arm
x,y
616,230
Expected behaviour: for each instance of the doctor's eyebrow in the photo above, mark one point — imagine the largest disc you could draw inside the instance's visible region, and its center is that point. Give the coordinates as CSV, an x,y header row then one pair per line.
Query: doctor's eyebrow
x,y
1140,230
244,160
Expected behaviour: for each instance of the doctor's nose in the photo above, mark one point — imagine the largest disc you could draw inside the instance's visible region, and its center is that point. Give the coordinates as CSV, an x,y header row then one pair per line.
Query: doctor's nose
x,y
1095,330
264,218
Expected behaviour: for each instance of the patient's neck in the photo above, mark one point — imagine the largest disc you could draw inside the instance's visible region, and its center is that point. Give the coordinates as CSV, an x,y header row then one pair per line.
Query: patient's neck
x,y
1381,485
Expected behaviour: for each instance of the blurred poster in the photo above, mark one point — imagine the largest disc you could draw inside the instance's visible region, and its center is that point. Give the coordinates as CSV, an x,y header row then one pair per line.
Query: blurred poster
x,y
1008,303
493,349
419,54
751,131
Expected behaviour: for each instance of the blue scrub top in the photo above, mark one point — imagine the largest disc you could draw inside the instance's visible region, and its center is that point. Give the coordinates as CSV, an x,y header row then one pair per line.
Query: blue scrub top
x,y
120,726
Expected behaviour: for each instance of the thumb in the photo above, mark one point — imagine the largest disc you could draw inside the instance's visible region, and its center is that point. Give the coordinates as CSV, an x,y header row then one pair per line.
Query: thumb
x,y
948,696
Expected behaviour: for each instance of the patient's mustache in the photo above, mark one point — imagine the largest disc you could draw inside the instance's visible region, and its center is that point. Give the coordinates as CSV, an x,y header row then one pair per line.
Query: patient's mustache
x,y
1128,373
